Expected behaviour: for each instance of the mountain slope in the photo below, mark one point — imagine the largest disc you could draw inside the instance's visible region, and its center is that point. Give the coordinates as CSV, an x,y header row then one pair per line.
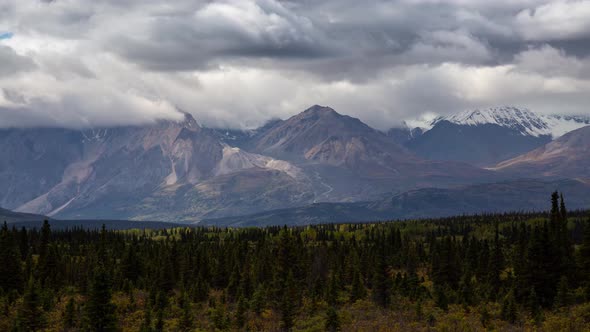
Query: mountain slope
x,y
567,156
34,160
481,145
320,134
165,170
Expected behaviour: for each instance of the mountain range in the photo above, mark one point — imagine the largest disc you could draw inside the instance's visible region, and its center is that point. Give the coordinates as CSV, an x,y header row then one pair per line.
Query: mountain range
x,y
183,172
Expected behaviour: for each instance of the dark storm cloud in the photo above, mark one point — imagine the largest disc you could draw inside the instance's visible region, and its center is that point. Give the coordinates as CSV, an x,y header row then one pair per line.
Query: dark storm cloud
x,y
213,32
346,39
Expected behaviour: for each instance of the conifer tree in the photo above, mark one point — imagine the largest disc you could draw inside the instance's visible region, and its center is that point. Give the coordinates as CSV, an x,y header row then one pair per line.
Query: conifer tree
x,y
159,326
30,316
241,313
563,298
288,305
99,310
584,260
496,263
381,282
186,318
358,291
11,275
534,306
258,300
509,312
440,298
69,315
146,324
332,320
24,243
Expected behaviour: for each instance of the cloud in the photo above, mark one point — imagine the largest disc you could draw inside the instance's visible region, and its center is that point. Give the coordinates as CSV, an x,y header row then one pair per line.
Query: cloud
x,y
220,31
238,63
555,21
13,63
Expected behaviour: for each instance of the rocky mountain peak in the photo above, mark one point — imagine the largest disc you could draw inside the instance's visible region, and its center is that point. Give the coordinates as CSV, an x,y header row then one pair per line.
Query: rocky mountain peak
x,y
318,110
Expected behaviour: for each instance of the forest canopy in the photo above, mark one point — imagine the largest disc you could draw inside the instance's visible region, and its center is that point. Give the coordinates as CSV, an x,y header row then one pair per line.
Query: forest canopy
x,y
459,273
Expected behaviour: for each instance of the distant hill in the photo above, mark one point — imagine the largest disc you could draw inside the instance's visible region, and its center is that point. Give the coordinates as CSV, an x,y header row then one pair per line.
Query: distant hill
x,y
14,217
520,195
97,224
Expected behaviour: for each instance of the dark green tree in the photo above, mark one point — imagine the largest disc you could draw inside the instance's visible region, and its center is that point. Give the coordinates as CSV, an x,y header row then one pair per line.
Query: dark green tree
x,y
186,318
11,275
563,297
258,300
69,315
382,281
358,291
288,304
509,312
332,320
440,298
159,326
146,324
534,306
99,309
30,317
241,312
584,260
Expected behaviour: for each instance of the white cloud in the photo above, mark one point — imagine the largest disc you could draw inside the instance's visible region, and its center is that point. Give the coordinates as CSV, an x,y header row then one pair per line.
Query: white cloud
x,y
563,19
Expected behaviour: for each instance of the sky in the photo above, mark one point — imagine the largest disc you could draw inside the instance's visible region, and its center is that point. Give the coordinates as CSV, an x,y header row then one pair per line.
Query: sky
x,y
239,63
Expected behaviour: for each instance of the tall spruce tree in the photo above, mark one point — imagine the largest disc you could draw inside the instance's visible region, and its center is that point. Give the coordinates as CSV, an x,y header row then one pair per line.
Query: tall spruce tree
x,y
99,310
332,320
30,317
288,304
584,260
11,274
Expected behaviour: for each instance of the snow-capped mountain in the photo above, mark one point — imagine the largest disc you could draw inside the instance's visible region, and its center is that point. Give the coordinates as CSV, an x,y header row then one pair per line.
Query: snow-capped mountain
x,y
524,121
485,137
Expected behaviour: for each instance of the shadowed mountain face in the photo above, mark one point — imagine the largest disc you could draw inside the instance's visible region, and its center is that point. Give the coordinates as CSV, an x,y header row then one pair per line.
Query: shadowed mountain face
x,y
34,160
483,144
567,156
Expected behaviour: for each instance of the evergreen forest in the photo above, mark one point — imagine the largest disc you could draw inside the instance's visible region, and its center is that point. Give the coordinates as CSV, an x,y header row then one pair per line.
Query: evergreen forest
x,y
501,272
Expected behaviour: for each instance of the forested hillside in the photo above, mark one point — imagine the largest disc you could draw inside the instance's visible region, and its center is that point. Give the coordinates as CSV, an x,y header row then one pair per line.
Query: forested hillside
x,y
469,273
